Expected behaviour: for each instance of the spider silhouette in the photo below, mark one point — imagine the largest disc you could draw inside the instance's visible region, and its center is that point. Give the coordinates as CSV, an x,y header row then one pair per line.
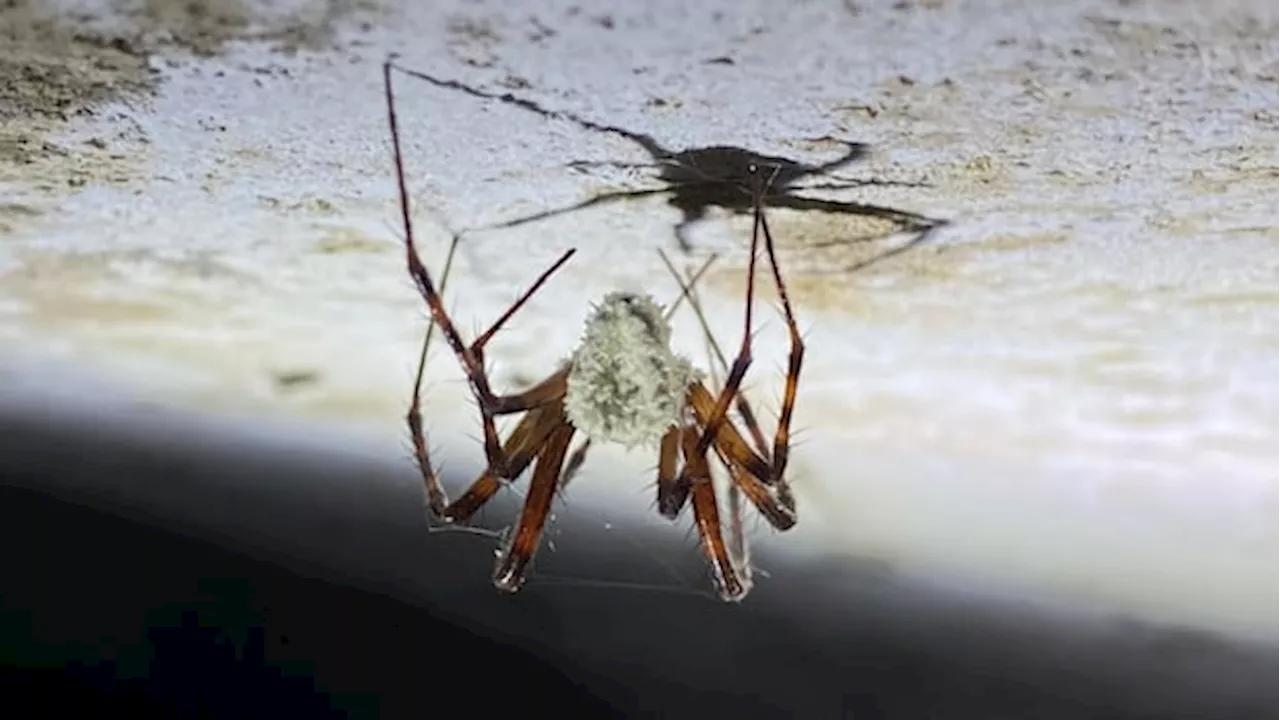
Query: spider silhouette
x,y
622,384
700,178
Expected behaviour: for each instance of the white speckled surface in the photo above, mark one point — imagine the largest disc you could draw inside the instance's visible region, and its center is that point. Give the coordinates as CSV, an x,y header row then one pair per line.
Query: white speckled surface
x,y
1072,392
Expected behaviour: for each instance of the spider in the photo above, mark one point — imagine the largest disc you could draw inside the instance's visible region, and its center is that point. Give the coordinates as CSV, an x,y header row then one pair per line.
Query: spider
x,y
700,178
623,384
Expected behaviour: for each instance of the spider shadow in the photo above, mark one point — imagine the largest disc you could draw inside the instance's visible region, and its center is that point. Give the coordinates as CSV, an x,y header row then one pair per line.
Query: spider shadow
x,y
917,239
698,179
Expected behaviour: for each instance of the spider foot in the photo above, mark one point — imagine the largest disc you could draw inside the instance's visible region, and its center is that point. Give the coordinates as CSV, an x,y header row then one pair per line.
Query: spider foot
x,y
731,588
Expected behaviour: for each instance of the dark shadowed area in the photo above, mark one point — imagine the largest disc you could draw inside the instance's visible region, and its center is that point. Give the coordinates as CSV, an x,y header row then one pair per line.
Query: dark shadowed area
x,y
157,569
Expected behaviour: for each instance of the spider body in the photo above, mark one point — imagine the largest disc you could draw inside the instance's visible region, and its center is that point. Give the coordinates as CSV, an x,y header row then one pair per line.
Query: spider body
x,y
625,385
622,384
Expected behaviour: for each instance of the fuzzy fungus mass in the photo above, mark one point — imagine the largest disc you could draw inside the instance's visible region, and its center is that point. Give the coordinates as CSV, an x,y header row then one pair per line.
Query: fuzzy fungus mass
x,y
625,384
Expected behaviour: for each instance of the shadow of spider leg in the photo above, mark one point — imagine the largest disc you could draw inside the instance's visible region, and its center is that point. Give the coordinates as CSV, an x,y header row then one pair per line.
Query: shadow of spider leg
x,y
847,183
921,237
601,199
903,220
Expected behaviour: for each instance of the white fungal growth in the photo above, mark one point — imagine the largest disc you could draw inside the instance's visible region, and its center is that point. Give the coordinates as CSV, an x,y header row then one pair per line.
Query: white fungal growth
x,y
625,384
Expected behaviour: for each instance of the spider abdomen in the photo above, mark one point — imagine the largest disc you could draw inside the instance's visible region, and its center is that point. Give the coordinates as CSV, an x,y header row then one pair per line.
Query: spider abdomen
x,y
625,384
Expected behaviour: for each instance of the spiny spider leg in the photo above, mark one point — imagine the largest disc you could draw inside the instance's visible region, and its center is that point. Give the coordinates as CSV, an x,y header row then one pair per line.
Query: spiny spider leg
x,y
751,472
738,547
509,571
487,335
740,481
782,435
673,486
436,496
743,360
742,405
739,550
733,586
469,356
522,446
732,571
762,479
729,440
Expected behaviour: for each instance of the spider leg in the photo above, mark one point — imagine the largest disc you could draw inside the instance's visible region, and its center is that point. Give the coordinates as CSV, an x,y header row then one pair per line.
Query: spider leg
x,y
782,435
738,546
739,550
513,560
673,486
469,356
522,445
687,288
750,471
760,476
732,584
436,496
718,415
574,463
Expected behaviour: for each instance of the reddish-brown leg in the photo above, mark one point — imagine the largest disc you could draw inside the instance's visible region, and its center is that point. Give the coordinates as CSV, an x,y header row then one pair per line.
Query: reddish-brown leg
x,y
469,356
738,547
730,583
437,499
738,370
782,436
733,383
759,474
688,288
574,463
673,485
522,446
513,561
750,472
